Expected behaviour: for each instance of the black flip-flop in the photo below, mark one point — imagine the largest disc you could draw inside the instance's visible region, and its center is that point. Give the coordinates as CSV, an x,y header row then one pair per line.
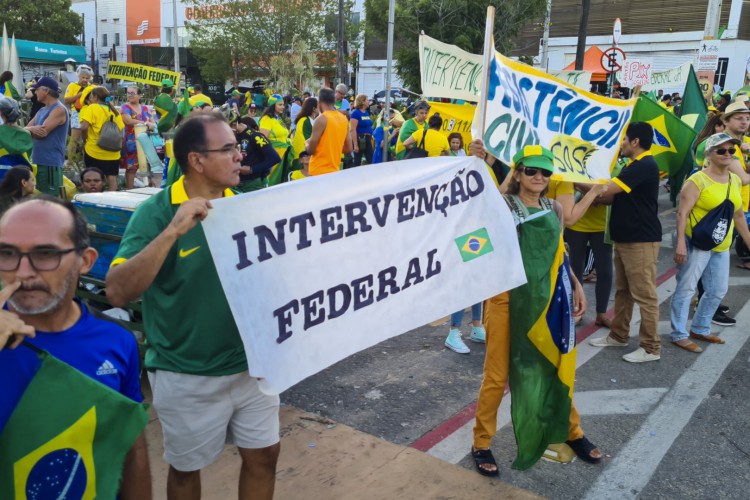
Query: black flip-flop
x,y
583,448
482,457
740,266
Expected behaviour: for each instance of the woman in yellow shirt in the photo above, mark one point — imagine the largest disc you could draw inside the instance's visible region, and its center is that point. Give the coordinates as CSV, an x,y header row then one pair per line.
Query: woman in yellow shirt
x,y
435,142
73,98
714,186
303,127
94,115
272,126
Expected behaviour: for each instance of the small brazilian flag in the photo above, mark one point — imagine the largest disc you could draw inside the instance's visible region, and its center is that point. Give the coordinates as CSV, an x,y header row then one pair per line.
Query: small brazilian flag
x,y
68,437
474,244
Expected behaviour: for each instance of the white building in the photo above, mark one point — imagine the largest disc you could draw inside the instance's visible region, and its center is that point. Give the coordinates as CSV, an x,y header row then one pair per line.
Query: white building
x,y
667,34
371,72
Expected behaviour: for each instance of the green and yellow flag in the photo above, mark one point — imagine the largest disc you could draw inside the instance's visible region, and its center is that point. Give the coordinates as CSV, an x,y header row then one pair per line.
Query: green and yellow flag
x,y
672,136
68,437
694,113
542,342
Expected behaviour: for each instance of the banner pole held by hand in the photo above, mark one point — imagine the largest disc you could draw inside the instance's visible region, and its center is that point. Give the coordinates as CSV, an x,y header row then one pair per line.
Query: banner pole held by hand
x,y
477,131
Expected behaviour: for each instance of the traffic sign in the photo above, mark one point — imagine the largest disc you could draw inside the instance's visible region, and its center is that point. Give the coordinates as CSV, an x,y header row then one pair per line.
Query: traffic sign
x,y
617,32
613,59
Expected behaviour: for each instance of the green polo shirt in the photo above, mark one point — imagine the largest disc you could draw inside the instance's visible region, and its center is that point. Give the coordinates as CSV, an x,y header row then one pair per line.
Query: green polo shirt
x,y
188,324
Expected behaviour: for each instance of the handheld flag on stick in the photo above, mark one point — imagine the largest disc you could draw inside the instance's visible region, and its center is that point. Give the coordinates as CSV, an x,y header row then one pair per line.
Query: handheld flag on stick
x,y
68,436
672,136
694,113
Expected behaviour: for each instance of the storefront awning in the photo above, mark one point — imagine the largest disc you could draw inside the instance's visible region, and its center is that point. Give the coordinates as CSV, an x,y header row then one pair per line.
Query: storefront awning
x,y
49,52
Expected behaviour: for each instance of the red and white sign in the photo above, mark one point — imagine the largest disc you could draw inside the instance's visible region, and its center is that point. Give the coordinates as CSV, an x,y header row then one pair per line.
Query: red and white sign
x,y
613,59
636,72
708,55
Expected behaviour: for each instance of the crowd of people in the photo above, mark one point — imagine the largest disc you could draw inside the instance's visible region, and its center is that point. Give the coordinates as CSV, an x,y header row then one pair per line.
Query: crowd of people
x,y
201,391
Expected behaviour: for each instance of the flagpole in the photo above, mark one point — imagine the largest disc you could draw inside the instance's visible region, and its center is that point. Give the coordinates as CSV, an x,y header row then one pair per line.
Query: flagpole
x,y
388,70
489,53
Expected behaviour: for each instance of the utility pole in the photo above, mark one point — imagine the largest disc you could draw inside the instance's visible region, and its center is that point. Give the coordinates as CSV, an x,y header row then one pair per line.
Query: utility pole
x,y
582,28
175,39
388,70
342,55
545,37
711,30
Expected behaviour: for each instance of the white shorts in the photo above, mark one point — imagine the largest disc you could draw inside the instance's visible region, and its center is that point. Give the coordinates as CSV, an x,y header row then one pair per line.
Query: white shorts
x,y
75,119
200,414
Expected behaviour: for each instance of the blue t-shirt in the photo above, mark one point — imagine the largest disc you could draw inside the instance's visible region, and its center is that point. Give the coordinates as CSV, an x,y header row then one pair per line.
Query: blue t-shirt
x,y
364,122
99,348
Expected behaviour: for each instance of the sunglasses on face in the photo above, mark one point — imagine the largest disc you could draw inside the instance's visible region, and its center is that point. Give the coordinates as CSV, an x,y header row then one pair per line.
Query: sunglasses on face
x,y
531,172
724,151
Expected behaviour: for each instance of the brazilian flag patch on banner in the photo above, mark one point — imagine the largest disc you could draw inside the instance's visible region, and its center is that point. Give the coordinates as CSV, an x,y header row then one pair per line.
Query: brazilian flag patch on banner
x,y
68,437
474,244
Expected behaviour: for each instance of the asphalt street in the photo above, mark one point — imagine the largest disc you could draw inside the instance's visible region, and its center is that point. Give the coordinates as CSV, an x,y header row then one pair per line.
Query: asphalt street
x,y
674,428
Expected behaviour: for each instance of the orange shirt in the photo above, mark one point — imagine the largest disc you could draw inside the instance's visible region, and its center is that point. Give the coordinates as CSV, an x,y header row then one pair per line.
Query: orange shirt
x,y
327,157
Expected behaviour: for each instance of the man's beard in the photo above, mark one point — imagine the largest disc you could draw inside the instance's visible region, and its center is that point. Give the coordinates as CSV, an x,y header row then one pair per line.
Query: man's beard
x,y
55,301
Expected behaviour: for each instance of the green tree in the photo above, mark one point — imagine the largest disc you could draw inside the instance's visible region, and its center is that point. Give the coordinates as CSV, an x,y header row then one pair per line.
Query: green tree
x,y
49,21
457,22
237,38
296,66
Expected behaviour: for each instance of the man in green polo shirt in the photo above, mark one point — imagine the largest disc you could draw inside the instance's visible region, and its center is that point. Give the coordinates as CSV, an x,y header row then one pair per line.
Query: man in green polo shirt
x,y
197,366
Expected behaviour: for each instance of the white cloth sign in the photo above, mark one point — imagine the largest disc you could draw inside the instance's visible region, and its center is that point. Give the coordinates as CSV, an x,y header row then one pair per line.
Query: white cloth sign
x,y
318,269
527,106
450,72
673,78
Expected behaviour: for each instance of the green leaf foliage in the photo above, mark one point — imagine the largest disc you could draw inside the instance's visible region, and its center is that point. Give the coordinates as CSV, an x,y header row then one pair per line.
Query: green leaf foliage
x,y
457,22
50,21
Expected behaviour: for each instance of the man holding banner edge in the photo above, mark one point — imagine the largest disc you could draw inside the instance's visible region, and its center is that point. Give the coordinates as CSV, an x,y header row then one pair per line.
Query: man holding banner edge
x,y
202,392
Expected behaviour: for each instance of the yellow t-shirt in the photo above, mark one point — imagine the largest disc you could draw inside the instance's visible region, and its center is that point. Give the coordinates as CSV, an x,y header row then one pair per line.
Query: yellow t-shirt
x,y
302,132
557,188
73,89
745,189
278,131
96,115
435,142
712,195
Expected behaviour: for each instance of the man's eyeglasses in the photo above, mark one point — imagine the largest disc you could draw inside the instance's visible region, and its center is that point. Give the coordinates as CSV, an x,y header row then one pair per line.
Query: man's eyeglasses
x,y
229,149
724,151
531,171
41,260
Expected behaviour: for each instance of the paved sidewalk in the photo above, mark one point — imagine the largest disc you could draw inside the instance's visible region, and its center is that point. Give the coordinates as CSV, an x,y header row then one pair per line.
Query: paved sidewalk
x,y
342,464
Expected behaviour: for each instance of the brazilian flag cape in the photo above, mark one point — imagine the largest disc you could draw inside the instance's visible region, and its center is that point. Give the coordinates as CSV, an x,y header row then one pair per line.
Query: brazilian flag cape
x,y
167,109
542,340
68,436
280,172
9,90
15,147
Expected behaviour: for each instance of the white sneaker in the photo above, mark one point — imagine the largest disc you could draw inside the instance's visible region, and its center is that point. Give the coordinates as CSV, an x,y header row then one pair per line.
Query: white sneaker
x,y
607,341
455,343
640,356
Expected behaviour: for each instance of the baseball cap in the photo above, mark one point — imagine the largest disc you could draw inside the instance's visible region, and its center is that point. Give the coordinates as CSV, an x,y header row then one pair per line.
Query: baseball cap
x,y
235,92
274,99
535,156
253,106
167,83
48,82
717,140
735,107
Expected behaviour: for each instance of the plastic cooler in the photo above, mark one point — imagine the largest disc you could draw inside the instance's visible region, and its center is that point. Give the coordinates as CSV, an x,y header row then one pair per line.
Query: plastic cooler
x,y
107,215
